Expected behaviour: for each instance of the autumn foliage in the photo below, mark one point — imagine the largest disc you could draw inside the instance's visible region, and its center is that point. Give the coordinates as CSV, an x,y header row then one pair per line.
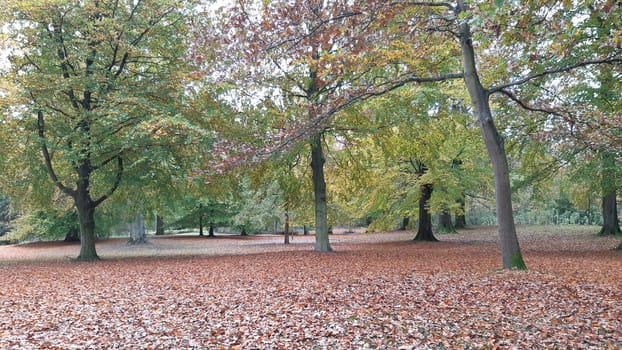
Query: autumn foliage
x,y
379,291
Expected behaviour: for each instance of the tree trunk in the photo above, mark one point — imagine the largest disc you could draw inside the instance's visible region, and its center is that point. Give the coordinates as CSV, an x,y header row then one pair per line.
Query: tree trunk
x,y
322,243
424,232
404,225
460,220
305,230
159,231
201,224
611,223
86,216
137,231
286,228
445,223
510,250
211,231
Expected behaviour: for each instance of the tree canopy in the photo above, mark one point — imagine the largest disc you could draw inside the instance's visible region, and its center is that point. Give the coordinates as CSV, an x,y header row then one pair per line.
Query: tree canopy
x,y
100,85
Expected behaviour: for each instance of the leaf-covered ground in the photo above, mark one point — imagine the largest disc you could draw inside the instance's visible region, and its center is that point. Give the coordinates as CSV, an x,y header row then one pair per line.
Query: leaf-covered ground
x,y
377,291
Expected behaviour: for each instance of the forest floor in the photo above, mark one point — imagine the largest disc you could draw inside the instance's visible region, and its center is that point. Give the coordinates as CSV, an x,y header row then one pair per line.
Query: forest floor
x,y
376,291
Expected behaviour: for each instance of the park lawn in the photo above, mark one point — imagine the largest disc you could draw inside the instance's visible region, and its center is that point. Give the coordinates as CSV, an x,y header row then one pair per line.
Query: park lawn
x,y
377,291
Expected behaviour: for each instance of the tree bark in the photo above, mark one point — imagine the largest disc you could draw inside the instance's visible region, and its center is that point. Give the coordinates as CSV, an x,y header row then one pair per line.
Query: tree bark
x,y
611,223
322,243
86,216
424,232
510,250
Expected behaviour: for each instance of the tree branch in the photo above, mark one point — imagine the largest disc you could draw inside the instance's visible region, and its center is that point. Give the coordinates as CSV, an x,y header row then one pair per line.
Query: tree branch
x,y
431,4
608,60
48,158
565,115
318,123
151,24
61,51
102,164
116,184
527,107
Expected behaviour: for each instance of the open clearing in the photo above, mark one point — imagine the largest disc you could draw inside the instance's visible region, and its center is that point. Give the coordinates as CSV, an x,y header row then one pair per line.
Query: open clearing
x,y
377,291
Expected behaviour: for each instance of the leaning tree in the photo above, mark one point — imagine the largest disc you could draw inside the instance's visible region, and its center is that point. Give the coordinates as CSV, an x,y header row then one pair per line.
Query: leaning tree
x,y
505,47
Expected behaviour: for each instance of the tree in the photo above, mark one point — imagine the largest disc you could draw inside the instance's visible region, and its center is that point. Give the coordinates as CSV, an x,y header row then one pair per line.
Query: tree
x,y
289,173
258,204
202,209
137,230
508,66
512,257
159,229
213,213
460,18
400,159
580,114
445,222
596,94
309,60
460,217
609,170
424,229
5,214
286,233
99,81
518,44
